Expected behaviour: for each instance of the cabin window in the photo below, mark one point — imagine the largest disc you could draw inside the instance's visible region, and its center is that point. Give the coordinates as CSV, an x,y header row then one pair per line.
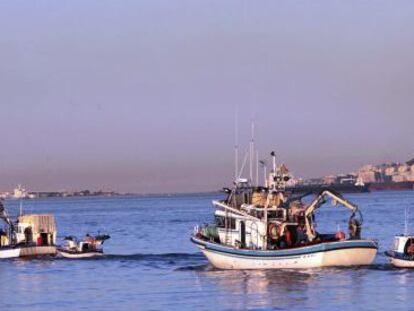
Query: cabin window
x,y
221,222
396,244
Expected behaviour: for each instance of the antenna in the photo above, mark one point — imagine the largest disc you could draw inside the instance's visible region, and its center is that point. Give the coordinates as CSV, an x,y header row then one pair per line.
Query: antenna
x,y
406,221
263,163
273,154
242,167
21,207
236,143
251,151
257,168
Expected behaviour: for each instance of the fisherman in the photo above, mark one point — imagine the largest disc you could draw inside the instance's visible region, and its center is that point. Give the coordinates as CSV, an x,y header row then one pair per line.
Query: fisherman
x,y
90,242
354,227
28,235
39,241
301,237
3,237
410,248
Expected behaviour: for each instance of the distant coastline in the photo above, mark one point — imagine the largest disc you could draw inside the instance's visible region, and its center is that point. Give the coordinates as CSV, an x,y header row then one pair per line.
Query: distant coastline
x,y
30,195
388,176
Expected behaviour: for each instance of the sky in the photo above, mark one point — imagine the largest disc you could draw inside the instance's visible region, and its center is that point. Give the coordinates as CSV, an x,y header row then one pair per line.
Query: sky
x,y
140,96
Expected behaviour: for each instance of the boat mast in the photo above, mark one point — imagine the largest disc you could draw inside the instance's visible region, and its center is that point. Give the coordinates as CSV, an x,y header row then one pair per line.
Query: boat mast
x,y
406,222
251,151
242,167
257,168
274,162
264,173
236,145
269,195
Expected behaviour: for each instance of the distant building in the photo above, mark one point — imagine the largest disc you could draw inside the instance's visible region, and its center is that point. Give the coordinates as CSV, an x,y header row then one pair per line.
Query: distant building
x,y
403,168
329,180
389,171
368,176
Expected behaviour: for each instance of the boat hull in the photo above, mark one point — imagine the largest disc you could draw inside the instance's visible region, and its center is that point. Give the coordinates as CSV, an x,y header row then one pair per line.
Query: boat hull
x,y
399,261
343,253
9,253
34,251
74,255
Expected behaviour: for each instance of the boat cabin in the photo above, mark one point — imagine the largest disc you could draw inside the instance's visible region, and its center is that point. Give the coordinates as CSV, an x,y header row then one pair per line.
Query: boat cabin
x,y
237,230
36,229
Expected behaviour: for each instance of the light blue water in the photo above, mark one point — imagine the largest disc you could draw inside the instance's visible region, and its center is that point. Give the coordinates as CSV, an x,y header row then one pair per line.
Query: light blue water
x,y
151,264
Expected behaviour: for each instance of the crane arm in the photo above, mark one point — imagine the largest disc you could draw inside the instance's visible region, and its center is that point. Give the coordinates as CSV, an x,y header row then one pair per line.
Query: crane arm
x,y
4,216
332,194
318,201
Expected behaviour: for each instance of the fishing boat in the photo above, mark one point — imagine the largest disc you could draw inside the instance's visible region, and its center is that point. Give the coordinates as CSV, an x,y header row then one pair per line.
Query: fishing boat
x,y
402,254
6,249
30,235
91,246
266,227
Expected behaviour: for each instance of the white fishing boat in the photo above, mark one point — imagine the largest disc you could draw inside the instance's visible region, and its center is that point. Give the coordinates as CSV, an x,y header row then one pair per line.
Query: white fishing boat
x,y
91,246
402,254
7,250
268,228
30,235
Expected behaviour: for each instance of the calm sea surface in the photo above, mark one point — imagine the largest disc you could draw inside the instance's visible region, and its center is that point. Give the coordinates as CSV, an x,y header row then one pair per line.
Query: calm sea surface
x,y
151,264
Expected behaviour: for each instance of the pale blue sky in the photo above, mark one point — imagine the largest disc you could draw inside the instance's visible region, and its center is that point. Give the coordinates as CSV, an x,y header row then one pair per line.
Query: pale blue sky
x,y
140,95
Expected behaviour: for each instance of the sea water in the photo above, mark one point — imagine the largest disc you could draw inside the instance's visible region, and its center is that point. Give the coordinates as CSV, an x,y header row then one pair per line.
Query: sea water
x,y
152,265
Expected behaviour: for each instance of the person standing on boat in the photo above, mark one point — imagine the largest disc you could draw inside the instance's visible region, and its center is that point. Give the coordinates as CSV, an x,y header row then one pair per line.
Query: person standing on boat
x,y
28,235
301,236
3,238
410,248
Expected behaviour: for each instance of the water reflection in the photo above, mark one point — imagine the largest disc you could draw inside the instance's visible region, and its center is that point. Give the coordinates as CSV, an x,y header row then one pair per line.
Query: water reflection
x,y
284,288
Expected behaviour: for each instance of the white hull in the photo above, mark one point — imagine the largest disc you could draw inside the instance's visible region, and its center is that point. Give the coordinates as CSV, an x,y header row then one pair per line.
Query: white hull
x,y
340,253
401,263
342,257
9,253
79,255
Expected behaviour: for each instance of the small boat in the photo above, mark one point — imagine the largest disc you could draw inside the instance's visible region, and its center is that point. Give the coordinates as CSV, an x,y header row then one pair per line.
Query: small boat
x,y
402,255
90,247
9,252
7,248
269,228
29,235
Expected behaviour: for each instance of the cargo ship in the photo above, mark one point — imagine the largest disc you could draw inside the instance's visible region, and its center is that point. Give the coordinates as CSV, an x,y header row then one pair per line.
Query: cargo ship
x,y
316,188
380,186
